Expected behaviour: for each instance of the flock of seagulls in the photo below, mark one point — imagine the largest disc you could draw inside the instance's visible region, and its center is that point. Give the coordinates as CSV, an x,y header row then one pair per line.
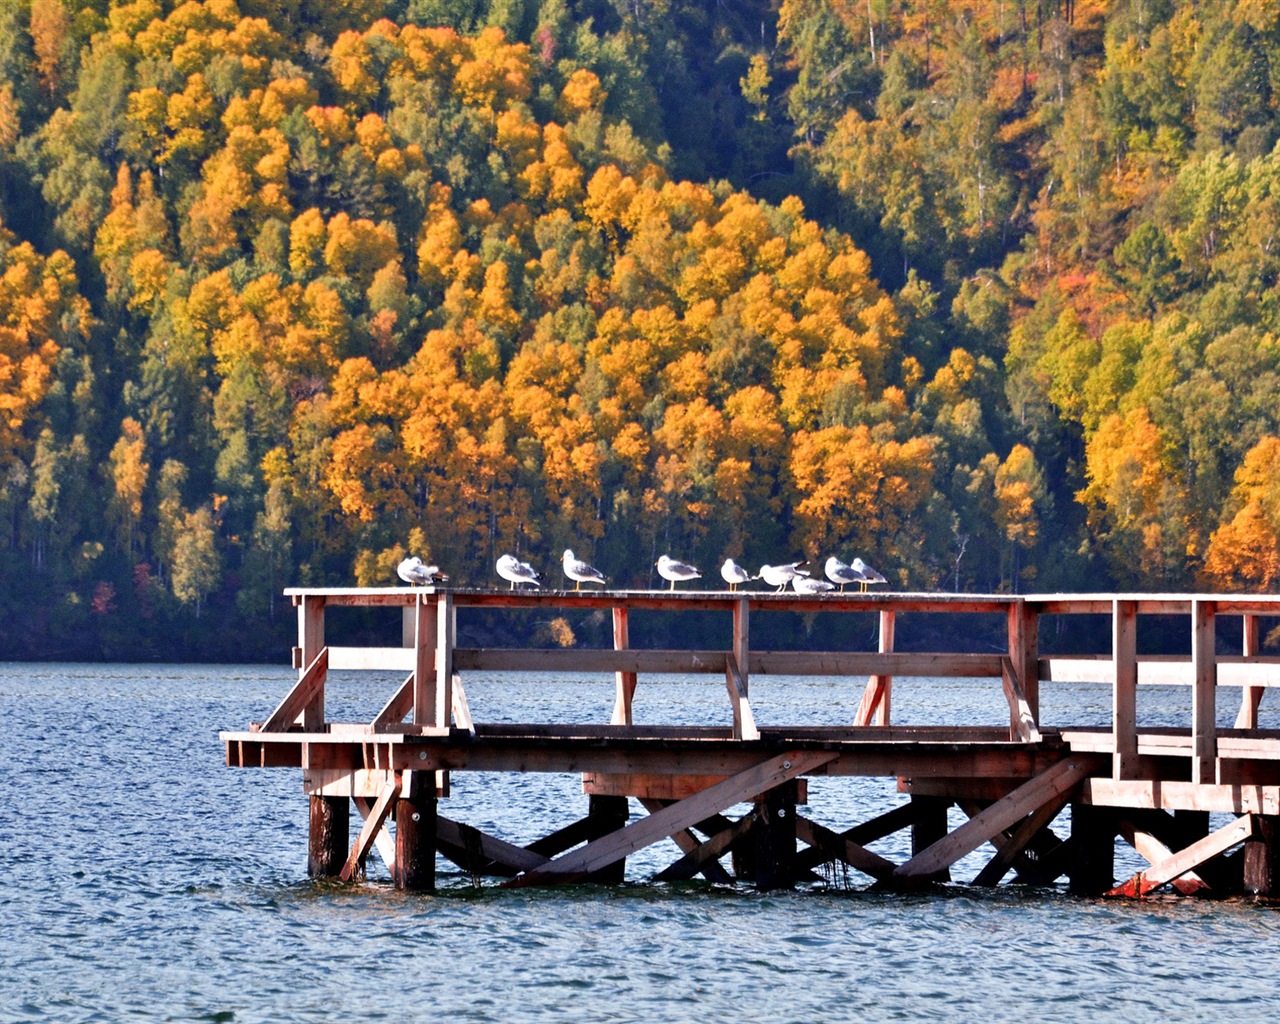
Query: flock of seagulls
x,y
415,572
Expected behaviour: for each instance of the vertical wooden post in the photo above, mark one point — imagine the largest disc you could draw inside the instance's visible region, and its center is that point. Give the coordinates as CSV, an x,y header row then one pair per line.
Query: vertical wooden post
x,y
624,682
929,825
606,814
424,659
878,691
1261,866
415,866
775,832
1204,740
742,640
1250,696
329,835
1124,694
311,643
446,635
1093,838
1024,652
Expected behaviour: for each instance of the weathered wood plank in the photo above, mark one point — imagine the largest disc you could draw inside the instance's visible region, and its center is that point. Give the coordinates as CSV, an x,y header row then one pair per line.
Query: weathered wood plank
x,y
677,816
391,717
374,819
1030,796
1251,698
1156,852
1022,722
1180,863
300,702
516,858
1022,837
701,856
1182,796
624,681
1203,739
1124,691
831,844
744,722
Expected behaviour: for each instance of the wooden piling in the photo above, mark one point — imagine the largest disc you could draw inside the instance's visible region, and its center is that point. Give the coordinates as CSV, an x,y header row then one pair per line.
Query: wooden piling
x,y
1092,868
1261,863
329,835
416,823
775,838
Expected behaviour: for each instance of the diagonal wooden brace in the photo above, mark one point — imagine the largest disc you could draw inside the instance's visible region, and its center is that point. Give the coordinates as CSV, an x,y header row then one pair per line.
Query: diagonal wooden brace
x,y
1022,723
832,844
675,817
1180,863
369,831
308,687
1046,787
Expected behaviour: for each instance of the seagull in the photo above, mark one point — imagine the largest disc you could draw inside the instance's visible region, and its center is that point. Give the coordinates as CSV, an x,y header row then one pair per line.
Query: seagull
x,y
511,568
838,572
780,575
670,569
869,575
733,574
805,585
580,572
413,570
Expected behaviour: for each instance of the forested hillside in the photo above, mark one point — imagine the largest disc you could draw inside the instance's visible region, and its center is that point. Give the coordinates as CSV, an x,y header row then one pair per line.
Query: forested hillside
x,y
984,291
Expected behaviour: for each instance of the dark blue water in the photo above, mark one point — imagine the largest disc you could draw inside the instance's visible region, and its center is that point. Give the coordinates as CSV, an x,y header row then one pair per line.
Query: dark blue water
x,y
145,881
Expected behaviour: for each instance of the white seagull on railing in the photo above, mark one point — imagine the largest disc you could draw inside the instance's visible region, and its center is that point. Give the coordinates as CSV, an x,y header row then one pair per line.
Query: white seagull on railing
x,y
805,585
416,572
838,572
869,575
780,575
580,572
512,569
734,575
674,571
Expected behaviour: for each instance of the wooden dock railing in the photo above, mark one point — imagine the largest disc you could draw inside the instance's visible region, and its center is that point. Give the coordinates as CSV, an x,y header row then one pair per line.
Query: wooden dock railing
x,y
1012,781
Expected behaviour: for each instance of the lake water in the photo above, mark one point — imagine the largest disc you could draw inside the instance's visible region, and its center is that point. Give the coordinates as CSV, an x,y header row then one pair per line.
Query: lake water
x,y
148,882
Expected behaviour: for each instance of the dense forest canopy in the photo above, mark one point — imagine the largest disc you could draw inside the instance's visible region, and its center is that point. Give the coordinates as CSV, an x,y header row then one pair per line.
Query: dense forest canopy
x,y
984,291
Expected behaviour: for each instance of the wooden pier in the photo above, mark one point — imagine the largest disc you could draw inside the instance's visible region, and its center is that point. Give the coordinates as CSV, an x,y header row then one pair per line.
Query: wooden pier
x,y
1155,788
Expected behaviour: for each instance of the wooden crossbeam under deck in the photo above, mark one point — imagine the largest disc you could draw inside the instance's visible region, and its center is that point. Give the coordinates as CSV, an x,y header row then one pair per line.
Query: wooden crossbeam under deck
x,y
373,823
675,817
1180,863
1004,813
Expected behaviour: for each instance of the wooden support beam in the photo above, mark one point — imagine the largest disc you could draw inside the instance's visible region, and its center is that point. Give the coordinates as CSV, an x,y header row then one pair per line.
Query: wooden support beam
x,y
689,844
624,682
373,823
392,714
1093,842
606,814
425,629
1251,696
483,853
829,845
1024,652
1124,693
1204,740
741,650
874,707
744,722
1030,796
1171,867
1261,863
676,817
328,836
1011,848
1022,723
461,709
415,844
301,701
1155,852
775,838
902,816
386,846
701,856
310,644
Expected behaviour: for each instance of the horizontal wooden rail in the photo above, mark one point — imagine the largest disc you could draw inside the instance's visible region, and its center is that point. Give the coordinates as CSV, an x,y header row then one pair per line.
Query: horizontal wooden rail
x,y
797,663
1233,670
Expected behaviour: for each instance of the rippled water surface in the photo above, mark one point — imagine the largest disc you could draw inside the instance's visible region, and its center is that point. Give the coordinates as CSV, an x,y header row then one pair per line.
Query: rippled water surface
x,y
148,882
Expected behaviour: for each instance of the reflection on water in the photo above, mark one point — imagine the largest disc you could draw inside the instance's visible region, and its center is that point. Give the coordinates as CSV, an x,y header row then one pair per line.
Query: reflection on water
x,y
148,882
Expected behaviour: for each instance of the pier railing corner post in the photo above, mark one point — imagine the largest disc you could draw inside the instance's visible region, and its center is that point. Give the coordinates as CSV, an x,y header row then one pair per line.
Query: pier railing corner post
x,y
1124,697
1204,659
1024,652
